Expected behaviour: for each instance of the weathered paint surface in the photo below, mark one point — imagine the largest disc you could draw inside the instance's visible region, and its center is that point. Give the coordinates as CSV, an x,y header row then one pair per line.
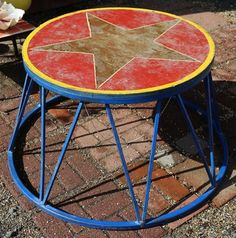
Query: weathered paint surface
x,y
21,27
119,49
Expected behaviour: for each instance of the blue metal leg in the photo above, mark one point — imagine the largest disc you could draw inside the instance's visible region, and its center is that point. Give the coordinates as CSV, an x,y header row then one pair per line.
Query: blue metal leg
x,y
210,125
42,165
24,99
62,154
195,137
123,162
216,122
214,106
150,166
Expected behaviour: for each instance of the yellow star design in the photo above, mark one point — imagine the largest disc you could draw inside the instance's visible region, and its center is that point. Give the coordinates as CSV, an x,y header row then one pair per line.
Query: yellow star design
x,y
113,47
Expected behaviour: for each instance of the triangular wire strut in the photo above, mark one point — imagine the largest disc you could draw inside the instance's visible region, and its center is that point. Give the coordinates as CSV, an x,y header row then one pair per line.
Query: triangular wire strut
x,y
151,160
61,156
195,137
27,88
123,162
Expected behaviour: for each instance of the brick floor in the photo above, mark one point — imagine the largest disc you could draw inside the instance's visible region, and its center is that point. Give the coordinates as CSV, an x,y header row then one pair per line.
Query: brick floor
x,y
157,202
9,104
98,129
33,134
4,143
192,173
63,115
84,138
52,227
108,205
228,191
138,141
112,162
25,203
137,171
128,214
69,178
90,181
84,166
103,150
177,223
128,123
169,185
31,163
93,233
33,183
95,193
225,195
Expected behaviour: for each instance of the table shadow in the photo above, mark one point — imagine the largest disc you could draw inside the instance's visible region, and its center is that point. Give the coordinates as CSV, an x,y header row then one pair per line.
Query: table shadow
x,y
179,7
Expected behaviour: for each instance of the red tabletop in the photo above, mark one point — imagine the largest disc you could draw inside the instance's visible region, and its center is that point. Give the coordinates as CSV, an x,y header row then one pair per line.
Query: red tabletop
x,y
118,51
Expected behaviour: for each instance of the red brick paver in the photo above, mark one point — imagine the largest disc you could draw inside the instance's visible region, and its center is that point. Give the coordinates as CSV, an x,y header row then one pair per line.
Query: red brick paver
x,y
128,214
93,233
179,222
169,185
193,173
52,227
63,115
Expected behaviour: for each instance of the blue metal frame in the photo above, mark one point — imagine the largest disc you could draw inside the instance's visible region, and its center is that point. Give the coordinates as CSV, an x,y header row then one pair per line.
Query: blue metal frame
x,y
24,99
43,131
151,161
195,138
210,125
141,219
62,154
123,162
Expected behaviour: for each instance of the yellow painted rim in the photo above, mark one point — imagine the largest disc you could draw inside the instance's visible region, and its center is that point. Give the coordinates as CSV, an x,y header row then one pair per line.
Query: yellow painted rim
x,y
45,77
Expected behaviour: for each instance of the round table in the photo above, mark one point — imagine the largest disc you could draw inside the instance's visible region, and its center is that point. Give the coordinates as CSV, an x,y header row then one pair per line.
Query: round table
x,y
119,56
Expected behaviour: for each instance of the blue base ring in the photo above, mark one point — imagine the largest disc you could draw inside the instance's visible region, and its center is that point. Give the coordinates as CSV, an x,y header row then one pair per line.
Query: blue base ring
x,y
120,225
